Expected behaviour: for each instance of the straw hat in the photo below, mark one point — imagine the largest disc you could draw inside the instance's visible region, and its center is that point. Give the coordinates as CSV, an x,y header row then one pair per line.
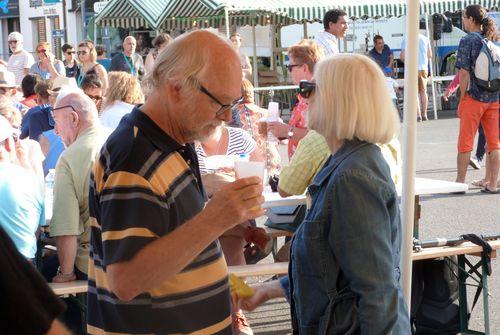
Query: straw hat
x,y
6,129
7,79
60,82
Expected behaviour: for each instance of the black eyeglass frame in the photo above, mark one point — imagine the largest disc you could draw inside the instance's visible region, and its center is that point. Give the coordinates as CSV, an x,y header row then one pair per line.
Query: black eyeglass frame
x,y
306,88
223,107
65,106
290,67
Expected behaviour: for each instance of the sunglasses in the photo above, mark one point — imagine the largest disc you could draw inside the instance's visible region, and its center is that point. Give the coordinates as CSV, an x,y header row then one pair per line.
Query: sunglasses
x,y
81,53
290,67
70,52
95,97
41,51
12,42
306,88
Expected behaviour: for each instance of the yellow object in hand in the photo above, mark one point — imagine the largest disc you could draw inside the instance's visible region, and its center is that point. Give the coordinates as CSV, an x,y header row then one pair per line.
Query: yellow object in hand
x,y
239,288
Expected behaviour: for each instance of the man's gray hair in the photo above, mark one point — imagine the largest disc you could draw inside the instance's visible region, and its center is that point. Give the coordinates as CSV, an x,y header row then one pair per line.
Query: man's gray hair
x,y
184,59
82,104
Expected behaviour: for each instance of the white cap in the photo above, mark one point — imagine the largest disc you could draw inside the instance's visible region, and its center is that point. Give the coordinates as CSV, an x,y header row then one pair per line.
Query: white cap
x,y
15,36
6,129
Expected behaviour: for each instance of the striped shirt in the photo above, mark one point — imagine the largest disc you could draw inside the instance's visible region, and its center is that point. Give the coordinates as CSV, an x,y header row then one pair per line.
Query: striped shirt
x,y
145,185
240,142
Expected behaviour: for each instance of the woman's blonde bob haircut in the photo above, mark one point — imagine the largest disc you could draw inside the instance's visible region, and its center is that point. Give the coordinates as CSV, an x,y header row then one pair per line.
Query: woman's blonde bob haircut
x,y
351,101
123,87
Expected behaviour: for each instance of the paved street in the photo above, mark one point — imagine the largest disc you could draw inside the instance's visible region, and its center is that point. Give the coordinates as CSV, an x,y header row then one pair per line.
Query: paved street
x,y
442,216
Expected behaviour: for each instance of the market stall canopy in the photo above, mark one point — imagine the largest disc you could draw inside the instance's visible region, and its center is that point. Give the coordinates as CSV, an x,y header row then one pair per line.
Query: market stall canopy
x,y
185,14
132,13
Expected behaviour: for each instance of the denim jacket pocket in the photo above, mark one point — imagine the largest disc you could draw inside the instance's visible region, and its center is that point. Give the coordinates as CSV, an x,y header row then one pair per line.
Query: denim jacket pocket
x,y
341,315
307,254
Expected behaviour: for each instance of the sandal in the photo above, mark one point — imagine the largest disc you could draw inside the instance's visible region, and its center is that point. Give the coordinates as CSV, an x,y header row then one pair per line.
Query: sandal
x,y
481,183
486,190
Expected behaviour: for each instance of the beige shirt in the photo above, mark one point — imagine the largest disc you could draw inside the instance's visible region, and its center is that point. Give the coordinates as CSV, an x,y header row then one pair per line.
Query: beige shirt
x,y
71,191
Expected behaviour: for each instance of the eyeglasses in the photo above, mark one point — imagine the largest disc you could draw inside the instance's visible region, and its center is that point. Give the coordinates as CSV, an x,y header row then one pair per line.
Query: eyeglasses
x,y
58,108
81,53
12,41
306,88
223,107
290,67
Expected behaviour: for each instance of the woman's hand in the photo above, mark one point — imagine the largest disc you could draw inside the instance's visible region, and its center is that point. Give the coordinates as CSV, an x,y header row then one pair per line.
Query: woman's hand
x,y
262,293
278,129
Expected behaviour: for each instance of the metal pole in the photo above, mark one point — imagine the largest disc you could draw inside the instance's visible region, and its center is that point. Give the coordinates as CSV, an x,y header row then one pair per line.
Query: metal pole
x,y
409,143
65,22
254,70
84,23
431,69
304,25
226,17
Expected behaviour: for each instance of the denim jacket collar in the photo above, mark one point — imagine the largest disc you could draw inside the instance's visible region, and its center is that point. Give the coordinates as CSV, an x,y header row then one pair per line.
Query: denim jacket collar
x,y
334,160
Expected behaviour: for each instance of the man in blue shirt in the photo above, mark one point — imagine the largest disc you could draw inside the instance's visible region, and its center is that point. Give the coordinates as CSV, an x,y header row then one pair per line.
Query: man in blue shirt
x,y
382,54
21,196
424,59
38,119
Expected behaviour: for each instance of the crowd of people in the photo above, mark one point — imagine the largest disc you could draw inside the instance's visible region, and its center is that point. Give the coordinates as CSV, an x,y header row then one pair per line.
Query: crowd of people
x,y
125,149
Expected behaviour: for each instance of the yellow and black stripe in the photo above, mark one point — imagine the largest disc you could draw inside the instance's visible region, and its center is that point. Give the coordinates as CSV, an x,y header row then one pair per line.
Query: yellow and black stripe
x,y
144,185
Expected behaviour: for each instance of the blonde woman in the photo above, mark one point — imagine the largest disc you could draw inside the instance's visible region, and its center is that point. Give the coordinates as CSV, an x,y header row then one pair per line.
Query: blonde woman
x,y
87,55
344,271
28,152
48,66
123,94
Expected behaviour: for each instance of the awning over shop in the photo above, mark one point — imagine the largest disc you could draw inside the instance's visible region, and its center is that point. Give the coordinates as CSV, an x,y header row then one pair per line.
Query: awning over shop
x,y
132,13
185,14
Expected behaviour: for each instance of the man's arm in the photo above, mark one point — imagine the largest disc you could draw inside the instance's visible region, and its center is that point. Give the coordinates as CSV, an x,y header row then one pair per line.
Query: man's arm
x,y
155,262
66,253
463,79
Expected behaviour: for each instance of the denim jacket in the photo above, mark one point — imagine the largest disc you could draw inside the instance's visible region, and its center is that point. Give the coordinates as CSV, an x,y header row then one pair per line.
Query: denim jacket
x,y
344,265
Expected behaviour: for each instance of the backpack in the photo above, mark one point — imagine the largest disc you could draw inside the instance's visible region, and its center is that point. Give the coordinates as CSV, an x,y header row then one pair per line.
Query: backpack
x,y
487,65
434,305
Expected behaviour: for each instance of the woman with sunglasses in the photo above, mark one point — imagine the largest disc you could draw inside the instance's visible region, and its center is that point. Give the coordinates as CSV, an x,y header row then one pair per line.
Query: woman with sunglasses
x,y
303,57
87,55
344,268
47,66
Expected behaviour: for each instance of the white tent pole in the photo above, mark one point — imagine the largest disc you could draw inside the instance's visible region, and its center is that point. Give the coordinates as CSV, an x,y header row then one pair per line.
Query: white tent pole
x,y
226,17
254,70
431,69
409,142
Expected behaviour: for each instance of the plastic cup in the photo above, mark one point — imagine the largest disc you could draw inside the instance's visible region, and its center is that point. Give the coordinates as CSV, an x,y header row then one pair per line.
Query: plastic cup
x,y
250,169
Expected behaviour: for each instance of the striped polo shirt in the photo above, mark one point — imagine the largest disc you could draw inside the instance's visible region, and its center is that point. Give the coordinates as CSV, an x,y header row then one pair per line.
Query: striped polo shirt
x,y
144,185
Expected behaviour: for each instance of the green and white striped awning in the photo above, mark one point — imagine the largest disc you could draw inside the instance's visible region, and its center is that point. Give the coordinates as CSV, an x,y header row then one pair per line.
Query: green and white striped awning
x,y
132,13
185,14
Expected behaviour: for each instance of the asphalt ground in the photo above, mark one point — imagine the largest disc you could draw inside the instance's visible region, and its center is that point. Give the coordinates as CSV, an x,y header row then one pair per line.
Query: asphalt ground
x,y
447,215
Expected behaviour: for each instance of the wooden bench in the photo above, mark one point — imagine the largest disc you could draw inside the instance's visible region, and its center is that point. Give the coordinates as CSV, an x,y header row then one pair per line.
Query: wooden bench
x,y
69,288
274,233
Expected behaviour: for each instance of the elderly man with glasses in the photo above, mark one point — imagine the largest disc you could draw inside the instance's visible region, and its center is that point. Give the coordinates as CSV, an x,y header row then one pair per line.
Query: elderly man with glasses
x,y
77,123
21,60
156,254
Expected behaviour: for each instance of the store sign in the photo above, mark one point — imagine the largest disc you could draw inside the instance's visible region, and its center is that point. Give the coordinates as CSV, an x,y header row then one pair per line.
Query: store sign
x,y
58,33
51,2
9,8
99,6
50,11
36,3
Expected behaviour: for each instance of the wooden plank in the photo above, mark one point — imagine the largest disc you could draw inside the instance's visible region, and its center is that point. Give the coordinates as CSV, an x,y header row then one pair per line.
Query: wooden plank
x,y
464,249
259,269
73,287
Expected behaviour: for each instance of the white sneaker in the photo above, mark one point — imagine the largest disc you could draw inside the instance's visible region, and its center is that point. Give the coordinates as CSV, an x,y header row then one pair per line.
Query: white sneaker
x,y
476,165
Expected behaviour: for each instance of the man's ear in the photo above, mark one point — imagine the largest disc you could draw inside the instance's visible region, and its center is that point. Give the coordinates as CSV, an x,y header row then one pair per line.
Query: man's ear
x,y
173,88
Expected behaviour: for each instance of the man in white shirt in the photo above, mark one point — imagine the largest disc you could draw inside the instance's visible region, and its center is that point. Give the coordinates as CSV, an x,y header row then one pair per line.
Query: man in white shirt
x,y
336,26
21,60
424,59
